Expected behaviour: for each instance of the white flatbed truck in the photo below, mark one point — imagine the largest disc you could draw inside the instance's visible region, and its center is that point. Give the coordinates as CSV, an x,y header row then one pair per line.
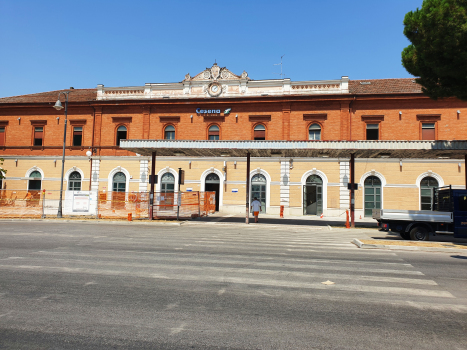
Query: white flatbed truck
x,y
449,217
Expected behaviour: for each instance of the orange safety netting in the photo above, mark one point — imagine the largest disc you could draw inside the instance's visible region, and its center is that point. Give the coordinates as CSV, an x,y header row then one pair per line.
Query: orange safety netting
x,y
117,205
21,203
120,204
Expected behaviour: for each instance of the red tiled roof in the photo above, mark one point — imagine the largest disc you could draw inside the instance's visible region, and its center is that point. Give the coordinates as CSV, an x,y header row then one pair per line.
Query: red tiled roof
x,y
370,86
384,86
76,95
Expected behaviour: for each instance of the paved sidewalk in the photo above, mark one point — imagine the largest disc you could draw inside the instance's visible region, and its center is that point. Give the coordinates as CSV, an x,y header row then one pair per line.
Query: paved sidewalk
x,y
268,219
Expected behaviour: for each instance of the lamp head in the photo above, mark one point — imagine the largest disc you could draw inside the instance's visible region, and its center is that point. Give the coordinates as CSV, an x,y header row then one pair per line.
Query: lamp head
x,y
58,105
89,153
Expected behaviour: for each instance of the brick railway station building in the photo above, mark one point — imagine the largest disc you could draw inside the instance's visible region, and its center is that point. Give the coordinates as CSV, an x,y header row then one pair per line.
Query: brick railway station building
x,y
217,104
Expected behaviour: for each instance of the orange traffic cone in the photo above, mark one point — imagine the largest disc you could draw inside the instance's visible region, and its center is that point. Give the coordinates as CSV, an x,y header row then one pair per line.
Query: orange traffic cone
x,y
321,216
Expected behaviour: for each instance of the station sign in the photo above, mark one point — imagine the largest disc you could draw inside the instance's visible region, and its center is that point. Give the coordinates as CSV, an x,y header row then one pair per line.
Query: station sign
x,y
213,111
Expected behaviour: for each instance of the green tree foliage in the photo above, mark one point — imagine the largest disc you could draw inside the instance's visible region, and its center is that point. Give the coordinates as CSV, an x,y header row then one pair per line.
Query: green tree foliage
x,y
438,53
2,171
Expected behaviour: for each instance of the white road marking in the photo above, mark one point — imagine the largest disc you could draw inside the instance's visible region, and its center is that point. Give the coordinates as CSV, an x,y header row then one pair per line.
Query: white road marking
x,y
177,330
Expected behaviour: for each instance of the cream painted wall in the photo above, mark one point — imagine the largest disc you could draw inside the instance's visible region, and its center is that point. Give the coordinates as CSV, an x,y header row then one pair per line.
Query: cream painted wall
x,y
400,192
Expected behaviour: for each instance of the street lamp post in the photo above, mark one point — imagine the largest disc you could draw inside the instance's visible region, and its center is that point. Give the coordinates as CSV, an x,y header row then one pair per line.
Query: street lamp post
x,y
58,106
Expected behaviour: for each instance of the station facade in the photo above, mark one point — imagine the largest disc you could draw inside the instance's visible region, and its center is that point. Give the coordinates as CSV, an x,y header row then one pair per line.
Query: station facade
x,y
217,104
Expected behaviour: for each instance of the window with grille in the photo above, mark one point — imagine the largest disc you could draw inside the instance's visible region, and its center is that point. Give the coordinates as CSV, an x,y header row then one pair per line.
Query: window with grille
x,y
119,182
260,132
74,181
38,136
427,186
169,132
213,132
77,135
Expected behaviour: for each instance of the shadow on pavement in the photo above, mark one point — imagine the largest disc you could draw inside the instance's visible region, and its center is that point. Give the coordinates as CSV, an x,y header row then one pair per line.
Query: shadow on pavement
x,y
459,257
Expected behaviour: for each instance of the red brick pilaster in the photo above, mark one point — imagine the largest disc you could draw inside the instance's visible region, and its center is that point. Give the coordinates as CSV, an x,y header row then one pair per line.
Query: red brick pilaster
x,y
286,121
97,126
146,118
345,120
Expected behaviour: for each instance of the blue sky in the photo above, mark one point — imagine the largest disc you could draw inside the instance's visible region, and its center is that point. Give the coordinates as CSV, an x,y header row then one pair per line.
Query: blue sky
x,y
50,45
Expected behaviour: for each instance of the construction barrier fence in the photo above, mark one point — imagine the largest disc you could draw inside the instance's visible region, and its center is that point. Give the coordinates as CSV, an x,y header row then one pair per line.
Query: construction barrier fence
x,y
105,204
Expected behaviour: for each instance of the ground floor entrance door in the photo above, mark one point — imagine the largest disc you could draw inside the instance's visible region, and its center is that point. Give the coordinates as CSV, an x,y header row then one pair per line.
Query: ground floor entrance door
x,y
313,196
372,195
258,190
212,184
167,192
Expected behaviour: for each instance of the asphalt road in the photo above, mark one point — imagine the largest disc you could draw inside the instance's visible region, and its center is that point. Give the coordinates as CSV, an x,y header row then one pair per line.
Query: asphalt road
x,y
110,286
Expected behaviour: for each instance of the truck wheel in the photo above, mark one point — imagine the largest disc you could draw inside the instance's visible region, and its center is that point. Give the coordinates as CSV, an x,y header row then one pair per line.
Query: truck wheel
x,y
405,235
419,233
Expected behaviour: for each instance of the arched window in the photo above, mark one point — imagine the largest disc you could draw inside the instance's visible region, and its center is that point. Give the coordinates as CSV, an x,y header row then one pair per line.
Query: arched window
x,y
169,132
427,186
213,132
74,181
259,132
314,132
119,182
36,183
168,183
121,134
372,194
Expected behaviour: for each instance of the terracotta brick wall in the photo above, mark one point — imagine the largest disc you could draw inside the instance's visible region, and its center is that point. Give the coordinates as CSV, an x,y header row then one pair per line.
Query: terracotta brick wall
x,y
340,119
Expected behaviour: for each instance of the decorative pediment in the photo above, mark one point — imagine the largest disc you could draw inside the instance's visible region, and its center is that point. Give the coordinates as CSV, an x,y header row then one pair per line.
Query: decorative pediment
x,y
216,73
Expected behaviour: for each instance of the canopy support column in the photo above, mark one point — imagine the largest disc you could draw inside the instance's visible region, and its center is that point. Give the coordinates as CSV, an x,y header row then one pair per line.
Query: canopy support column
x,y
352,190
247,218
152,180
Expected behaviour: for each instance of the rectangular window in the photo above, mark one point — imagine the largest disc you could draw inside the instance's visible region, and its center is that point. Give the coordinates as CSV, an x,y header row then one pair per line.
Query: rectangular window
x,y
2,136
77,135
428,131
38,136
372,131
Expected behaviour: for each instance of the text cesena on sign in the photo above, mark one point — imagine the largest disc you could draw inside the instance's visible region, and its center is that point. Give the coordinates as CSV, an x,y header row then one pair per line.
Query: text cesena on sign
x,y
208,111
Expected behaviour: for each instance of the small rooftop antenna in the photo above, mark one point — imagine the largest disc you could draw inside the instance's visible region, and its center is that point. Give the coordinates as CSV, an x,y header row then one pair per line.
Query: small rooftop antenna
x,y
280,64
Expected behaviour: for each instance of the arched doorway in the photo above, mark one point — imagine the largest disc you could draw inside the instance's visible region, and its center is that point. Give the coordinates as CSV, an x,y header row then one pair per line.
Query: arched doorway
x,y
167,191
119,182
35,183
372,193
118,189
34,189
258,190
427,186
212,184
313,195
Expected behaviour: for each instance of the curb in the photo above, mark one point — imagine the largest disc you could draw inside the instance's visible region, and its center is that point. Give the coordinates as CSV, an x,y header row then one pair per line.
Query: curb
x,y
362,245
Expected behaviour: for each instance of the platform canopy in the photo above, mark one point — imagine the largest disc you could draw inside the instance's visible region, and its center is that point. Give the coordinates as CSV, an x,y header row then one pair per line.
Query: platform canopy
x,y
306,149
